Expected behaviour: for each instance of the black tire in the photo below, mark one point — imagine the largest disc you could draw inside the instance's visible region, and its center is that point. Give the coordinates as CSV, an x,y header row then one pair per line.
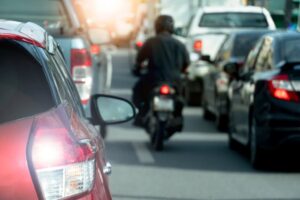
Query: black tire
x,y
257,155
232,143
221,119
157,138
207,115
222,122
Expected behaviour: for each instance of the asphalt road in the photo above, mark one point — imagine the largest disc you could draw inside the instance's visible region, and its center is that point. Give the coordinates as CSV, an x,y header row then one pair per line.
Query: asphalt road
x,y
196,164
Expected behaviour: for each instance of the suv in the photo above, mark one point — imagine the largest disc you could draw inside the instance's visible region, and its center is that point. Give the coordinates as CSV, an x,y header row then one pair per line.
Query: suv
x,y
222,20
49,148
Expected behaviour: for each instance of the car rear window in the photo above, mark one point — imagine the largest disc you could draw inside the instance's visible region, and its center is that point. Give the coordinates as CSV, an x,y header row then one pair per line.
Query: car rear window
x,y
23,85
244,43
233,19
291,49
46,13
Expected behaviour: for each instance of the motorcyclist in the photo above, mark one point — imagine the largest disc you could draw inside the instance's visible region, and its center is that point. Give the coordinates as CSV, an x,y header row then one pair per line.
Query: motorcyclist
x,y
166,59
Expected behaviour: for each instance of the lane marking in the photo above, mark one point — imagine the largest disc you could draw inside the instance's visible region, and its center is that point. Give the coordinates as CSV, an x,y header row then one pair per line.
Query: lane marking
x,y
143,153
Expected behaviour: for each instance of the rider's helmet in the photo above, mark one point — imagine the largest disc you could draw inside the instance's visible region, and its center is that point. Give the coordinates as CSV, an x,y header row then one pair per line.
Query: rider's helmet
x,y
164,23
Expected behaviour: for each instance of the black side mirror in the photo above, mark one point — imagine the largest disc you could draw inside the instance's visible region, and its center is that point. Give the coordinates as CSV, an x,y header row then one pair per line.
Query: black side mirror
x,y
106,109
206,58
231,68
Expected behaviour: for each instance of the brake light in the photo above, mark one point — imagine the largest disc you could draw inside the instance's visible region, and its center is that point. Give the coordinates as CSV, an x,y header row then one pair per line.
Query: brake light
x,y
95,49
139,44
64,166
281,88
198,46
81,70
165,90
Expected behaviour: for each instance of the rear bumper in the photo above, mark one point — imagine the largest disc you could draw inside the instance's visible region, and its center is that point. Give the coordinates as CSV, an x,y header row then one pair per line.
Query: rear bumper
x,y
278,131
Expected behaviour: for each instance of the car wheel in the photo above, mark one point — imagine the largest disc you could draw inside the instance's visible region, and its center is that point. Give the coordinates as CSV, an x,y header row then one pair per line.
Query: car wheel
x,y
207,115
221,119
256,153
232,143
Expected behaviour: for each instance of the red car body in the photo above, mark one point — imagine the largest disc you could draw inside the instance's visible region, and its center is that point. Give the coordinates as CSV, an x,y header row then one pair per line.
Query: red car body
x,y
56,154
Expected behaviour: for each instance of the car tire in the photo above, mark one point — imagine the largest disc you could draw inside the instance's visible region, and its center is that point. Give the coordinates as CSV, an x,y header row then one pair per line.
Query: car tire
x,y
221,119
232,143
207,115
257,155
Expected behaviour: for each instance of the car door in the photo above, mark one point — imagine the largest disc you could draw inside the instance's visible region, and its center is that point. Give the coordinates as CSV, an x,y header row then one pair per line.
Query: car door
x,y
241,96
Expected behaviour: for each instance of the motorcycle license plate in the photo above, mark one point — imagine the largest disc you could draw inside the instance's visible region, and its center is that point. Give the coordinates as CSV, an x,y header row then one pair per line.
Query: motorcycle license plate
x,y
163,104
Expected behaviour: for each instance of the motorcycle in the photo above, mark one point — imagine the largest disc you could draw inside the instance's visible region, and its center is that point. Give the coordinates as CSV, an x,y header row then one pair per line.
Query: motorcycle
x,y
164,115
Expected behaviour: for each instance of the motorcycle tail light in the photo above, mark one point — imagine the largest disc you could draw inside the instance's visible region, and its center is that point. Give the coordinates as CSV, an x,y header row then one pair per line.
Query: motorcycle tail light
x,y
166,90
139,44
64,167
281,88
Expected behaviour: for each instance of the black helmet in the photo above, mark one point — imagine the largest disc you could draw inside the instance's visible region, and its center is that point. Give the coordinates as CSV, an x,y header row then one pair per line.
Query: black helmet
x,y
164,23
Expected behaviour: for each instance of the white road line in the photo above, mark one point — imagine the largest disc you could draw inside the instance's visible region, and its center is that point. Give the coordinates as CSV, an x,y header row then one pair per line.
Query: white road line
x,y
143,153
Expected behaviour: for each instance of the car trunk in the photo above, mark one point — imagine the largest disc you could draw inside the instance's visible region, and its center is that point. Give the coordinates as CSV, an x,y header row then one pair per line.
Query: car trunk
x,y
16,181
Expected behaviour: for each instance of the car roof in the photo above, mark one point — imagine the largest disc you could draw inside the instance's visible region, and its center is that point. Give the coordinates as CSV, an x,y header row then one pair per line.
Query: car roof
x,y
239,9
24,32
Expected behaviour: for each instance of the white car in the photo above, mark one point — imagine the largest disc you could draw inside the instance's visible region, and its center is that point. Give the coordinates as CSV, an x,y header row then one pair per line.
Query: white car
x,y
211,20
224,19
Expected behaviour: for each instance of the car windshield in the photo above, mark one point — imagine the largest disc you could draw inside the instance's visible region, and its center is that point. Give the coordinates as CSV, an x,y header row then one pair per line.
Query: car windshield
x,y
233,19
244,43
46,13
291,49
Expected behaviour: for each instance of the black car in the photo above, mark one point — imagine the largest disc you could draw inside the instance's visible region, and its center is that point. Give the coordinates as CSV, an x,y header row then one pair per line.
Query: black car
x,y
265,97
215,84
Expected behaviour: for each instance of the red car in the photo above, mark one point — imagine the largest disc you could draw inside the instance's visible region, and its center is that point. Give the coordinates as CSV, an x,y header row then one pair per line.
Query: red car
x,y
48,148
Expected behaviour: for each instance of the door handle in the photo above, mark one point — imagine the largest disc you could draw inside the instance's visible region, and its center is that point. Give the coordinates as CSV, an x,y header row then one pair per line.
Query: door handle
x,y
107,169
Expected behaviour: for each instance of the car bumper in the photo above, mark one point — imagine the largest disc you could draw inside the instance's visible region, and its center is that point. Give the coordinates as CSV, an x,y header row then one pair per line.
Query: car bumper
x,y
280,131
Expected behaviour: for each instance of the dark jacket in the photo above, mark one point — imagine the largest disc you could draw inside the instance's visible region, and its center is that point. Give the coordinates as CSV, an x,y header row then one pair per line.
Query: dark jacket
x,y
167,58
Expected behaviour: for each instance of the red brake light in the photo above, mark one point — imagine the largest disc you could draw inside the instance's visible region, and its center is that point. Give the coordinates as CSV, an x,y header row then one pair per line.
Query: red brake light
x,y
139,44
281,88
80,57
198,46
95,49
165,90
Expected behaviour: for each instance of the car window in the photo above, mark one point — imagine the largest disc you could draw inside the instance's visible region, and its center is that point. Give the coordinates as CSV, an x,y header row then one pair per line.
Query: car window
x,y
265,56
69,83
291,49
60,83
225,50
250,61
233,19
46,13
244,43
23,84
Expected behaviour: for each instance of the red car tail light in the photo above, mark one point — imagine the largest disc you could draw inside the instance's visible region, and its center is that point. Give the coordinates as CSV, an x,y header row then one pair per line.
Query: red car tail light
x,y
165,90
81,70
95,49
198,46
281,88
64,166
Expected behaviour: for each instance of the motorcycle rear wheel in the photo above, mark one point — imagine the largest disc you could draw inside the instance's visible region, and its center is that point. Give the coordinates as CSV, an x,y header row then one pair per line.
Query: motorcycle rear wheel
x,y
157,139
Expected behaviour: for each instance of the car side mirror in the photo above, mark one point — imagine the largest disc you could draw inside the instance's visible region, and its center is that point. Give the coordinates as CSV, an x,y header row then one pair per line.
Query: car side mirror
x,y
206,58
106,109
231,68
